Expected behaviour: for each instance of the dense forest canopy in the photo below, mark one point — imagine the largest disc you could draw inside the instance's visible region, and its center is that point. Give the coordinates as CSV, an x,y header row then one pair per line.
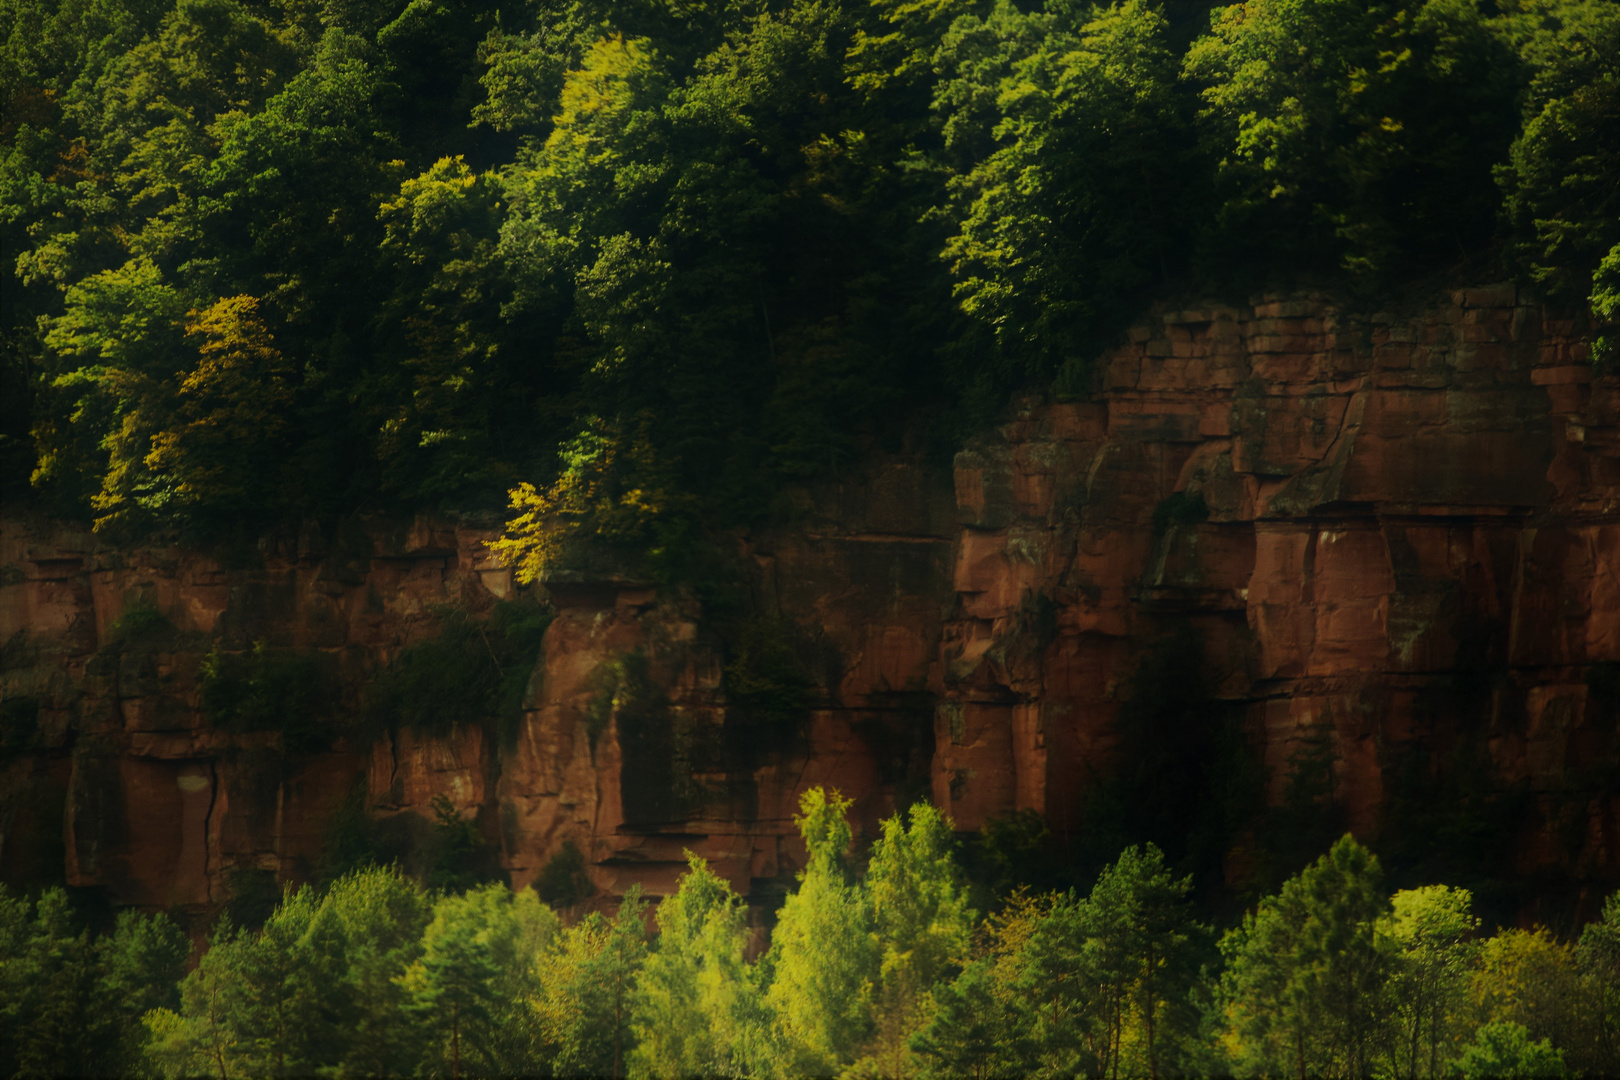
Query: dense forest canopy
x,y
647,262
878,966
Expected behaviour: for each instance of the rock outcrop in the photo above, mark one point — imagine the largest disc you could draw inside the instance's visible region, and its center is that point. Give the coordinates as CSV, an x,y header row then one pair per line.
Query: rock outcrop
x,y
1389,537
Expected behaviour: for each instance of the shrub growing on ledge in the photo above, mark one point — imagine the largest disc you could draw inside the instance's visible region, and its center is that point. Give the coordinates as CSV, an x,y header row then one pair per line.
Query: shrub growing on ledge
x,y
273,690
767,686
470,672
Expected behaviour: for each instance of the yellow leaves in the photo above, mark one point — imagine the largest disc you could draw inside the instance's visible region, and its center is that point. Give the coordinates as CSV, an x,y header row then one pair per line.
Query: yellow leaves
x,y
599,92
613,488
534,535
437,209
234,344
231,403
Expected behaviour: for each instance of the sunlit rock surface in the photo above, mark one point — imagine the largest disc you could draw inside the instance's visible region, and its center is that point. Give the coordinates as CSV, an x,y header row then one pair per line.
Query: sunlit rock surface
x,y
1391,532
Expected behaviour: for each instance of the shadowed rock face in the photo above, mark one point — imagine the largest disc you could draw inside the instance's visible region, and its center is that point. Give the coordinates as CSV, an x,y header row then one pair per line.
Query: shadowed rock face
x,y
1390,536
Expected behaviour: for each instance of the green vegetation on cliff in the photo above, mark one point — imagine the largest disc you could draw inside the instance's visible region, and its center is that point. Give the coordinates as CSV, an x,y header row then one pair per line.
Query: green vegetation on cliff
x,y
642,263
874,970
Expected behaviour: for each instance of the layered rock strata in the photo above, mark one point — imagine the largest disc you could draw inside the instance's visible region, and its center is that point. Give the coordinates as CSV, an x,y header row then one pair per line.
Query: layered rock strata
x,y
1388,534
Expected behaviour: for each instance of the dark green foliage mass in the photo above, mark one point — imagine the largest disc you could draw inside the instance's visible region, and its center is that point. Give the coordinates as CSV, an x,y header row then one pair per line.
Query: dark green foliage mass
x,y
471,672
71,1001
272,690
643,264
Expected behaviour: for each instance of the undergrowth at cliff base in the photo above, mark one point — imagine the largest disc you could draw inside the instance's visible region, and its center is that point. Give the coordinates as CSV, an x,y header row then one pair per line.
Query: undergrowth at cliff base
x,y
877,965
449,851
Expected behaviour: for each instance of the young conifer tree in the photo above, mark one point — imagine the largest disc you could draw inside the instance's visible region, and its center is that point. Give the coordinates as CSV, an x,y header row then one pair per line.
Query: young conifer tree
x,y
696,1006
823,956
585,1002
1305,973
921,927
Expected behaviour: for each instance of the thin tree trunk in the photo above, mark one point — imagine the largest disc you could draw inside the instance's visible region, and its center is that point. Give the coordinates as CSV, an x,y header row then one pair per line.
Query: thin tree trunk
x,y
213,1023
455,1042
1118,1023
618,1026
1147,985
1417,1030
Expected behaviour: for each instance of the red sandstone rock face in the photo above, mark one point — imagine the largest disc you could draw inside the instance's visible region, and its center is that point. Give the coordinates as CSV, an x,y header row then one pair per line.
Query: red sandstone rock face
x,y
1389,532
1409,535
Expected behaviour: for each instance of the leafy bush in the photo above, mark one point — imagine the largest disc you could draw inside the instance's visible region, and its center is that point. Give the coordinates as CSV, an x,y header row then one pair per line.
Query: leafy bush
x,y
1506,1052
470,673
253,895
459,858
768,687
140,621
447,851
269,689
562,882
1180,509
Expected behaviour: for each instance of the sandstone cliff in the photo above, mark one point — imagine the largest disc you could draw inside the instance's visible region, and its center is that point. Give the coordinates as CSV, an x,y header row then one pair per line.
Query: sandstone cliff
x,y
1389,538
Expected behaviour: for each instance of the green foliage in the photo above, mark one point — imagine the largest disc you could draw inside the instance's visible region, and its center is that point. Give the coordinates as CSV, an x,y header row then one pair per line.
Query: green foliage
x,y
273,690
448,851
1012,851
1072,139
1502,1051
768,689
1431,930
1358,133
309,990
19,722
472,672
1308,818
254,894
562,882
920,924
1181,510
633,269
1107,977
1185,778
381,917
974,1031
824,957
697,1010
587,1007
139,622
1305,972
71,1001
462,857
1598,953
1445,820
1557,181
470,987
1605,302
661,748
874,974
1531,979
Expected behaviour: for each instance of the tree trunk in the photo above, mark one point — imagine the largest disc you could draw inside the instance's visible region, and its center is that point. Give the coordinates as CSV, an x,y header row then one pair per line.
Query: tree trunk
x,y
1119,1008
618,1028
455,1042
1148,1003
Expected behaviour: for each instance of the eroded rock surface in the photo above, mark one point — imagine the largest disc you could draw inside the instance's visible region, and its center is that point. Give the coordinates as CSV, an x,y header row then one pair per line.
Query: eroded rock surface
x,y
1389,535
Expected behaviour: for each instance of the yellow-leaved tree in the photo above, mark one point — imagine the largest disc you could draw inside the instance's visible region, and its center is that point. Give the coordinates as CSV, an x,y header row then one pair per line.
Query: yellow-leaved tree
x,y
220,443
